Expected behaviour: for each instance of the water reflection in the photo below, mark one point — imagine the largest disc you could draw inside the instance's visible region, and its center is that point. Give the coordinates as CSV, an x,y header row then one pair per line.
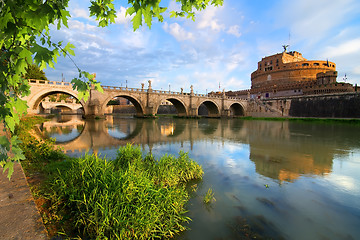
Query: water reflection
x,y
272,179
280,150
64,129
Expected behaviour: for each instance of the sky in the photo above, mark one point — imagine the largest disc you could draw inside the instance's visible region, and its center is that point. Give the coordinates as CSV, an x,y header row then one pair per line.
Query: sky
x,y
219,50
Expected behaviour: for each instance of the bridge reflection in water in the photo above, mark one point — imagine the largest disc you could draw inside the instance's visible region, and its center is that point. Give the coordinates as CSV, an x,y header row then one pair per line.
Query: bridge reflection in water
x,y
283,180
278,149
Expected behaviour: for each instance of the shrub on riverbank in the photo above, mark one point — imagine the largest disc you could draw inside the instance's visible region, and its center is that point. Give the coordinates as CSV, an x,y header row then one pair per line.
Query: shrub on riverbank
x,y
132,197
134,201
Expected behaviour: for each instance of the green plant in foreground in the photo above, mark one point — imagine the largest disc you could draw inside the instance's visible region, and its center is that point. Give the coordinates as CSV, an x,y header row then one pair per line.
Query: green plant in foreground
x,y
129,198
209,197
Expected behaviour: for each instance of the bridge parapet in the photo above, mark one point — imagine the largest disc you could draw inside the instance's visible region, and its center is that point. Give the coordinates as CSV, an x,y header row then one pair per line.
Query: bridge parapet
x,y
50,83
58,83
123,89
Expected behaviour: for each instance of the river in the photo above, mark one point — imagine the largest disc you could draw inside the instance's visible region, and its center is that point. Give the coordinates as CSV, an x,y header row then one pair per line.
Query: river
x,y
272,179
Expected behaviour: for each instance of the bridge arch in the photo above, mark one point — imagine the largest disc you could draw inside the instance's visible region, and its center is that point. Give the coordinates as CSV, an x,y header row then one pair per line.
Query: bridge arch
x,y
212,108
136,102
36,99
237,110
62,106
178,104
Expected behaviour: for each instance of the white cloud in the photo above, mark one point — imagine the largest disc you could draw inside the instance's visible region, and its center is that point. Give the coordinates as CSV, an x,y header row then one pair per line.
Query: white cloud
x,y
234,60
121,18
234,84
174,6
356,70
234,30
77,25
313,20
207,19
178,32
81,13
84,36
346,48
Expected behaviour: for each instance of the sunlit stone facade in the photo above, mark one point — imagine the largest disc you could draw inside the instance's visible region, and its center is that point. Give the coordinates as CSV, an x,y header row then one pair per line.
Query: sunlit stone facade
x,y
290,74
287,69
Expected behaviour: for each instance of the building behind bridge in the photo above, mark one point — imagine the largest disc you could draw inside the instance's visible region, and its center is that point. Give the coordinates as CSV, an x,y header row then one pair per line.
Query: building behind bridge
x,y
290,74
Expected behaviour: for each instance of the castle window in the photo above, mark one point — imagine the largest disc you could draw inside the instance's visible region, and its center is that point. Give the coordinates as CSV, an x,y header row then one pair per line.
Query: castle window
x,y
305,64
316,64
269,77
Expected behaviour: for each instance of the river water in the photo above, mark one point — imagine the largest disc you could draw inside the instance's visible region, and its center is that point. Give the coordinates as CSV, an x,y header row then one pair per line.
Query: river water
x,y
271,179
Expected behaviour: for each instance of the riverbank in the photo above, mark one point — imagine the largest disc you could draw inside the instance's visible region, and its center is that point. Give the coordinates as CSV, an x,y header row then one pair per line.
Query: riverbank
x,y
20,218
306,119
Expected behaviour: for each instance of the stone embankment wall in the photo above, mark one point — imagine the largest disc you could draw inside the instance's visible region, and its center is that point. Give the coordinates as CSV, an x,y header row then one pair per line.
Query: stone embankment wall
x,y
340,105
332,106
273,108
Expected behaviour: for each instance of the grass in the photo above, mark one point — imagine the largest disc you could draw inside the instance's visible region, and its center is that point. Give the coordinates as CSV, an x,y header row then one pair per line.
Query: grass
x,y
209,197
299,119
131,197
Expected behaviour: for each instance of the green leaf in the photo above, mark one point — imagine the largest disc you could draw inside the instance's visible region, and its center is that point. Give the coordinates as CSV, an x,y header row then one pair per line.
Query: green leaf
x,y
130,11
20,106
10,123
4,142
98,87
82,88
137,20
148,16
10,166
68,49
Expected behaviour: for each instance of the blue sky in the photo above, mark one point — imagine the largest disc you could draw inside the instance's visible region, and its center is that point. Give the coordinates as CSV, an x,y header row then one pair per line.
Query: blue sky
x,y
223,45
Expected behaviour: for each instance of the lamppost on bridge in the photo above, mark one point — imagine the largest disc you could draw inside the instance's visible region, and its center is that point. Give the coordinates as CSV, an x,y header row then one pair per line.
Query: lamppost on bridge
x,y
126,83
169,87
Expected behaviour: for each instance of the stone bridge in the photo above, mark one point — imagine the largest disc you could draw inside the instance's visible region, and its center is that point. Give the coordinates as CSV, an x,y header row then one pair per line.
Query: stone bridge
x,y
146,101
71,107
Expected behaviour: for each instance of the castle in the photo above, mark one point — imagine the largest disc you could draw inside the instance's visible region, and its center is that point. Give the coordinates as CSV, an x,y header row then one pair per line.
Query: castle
x,y
290,74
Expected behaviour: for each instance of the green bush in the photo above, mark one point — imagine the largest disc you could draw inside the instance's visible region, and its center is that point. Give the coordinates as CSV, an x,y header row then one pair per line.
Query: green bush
x,y
128,198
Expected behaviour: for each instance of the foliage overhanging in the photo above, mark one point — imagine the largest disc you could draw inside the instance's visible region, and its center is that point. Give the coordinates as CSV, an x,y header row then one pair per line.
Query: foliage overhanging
x,y
26,40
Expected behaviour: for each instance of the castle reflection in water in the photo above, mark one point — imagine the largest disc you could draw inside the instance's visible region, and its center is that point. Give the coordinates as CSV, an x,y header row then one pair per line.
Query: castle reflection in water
x,y
281,150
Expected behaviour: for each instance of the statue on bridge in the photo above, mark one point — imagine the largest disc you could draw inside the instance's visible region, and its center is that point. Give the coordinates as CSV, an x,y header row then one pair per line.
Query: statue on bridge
x,y
149,84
